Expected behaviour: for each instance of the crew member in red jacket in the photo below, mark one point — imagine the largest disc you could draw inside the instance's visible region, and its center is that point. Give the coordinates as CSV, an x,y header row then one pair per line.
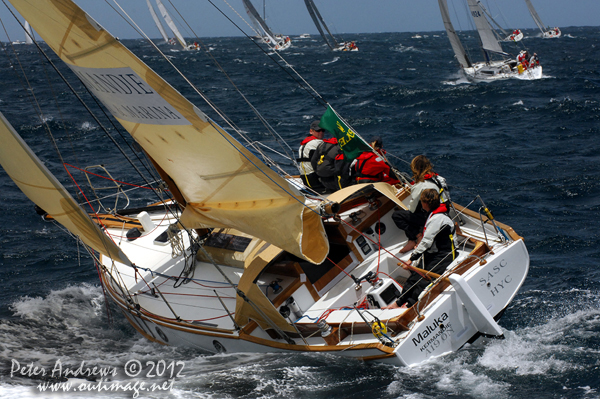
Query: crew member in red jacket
x,y
370,166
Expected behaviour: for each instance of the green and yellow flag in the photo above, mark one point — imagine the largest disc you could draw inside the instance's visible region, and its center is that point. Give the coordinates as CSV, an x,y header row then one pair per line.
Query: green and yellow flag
x,y
350,142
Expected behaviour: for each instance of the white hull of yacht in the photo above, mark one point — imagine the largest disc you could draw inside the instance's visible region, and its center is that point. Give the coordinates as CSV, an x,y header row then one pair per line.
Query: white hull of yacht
x,y
500,70
514,38
552,34
446,327
200,314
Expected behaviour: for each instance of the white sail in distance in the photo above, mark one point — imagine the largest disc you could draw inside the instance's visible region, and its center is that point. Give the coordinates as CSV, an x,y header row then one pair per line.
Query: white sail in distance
x,y
171,24
459,50
161,29
28,33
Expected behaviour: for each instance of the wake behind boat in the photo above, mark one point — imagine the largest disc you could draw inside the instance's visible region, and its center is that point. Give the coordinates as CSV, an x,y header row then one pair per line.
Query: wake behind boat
x,y
243,259
489,70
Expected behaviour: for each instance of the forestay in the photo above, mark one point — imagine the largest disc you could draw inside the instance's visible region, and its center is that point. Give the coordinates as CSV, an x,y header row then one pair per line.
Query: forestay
x,y
223,183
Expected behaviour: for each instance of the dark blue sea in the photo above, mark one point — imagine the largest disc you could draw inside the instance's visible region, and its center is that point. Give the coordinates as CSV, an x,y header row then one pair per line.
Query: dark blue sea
x,y
531,149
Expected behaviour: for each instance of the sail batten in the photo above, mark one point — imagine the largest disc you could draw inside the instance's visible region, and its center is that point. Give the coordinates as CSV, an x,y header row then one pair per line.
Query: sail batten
x,y
207,165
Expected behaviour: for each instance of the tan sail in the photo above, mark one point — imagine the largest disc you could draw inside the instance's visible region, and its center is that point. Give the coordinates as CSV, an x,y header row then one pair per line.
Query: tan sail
x,y
222,182
40,186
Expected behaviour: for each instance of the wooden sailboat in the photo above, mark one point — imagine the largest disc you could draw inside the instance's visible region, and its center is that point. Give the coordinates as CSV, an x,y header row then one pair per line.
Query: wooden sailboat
x,y
504,67
547,32
276,41
241,259
329,39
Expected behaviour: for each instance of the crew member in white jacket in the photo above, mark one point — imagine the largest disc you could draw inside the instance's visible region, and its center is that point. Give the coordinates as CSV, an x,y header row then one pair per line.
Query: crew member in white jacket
x,y
436,248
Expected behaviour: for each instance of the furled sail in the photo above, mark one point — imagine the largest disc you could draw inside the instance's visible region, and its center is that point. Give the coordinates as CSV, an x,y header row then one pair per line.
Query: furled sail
x,y
223,183
255,16
40,186
320,24
170,23
157,22
459,50
535,16
489,41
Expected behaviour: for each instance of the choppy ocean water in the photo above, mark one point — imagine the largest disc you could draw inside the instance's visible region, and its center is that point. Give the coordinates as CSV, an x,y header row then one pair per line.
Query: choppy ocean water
x,y
530,149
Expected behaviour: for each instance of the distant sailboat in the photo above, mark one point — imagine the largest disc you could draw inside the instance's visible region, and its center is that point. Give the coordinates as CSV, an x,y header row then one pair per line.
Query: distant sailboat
x,y
547,32
28,35
173,27
279,42
321,26
488,70
516,34
161,29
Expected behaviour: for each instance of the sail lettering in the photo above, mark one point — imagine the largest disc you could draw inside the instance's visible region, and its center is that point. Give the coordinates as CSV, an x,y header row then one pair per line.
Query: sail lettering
x,y
129,97
111,83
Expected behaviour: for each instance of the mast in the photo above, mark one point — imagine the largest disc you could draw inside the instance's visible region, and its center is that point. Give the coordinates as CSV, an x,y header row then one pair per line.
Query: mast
x,y
459,50
157,22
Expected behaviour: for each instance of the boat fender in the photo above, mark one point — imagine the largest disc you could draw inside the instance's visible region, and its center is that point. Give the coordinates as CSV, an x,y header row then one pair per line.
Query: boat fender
x,y
146,221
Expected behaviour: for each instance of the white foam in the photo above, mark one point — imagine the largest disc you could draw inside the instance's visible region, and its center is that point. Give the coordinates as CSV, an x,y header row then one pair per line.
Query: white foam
x,y
335,59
